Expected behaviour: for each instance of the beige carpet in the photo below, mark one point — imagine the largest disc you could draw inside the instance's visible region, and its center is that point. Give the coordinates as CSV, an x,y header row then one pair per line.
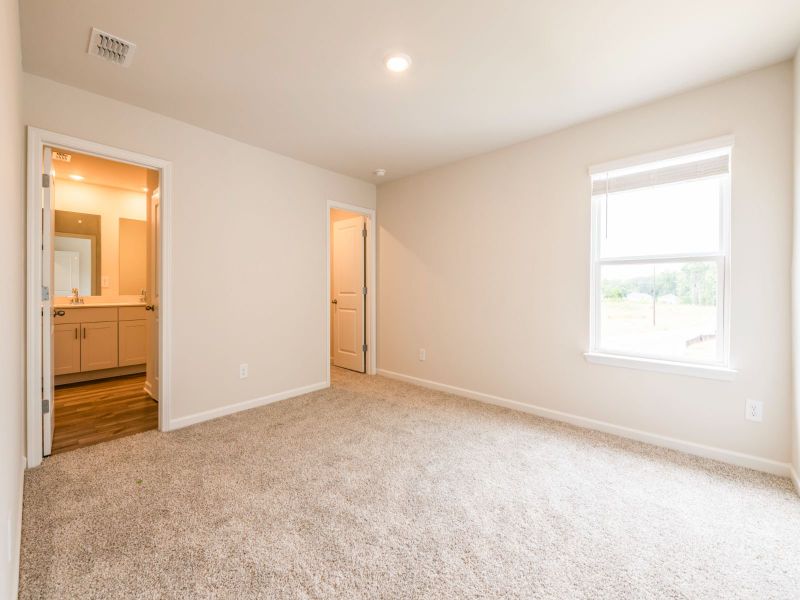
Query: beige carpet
x,y
379,489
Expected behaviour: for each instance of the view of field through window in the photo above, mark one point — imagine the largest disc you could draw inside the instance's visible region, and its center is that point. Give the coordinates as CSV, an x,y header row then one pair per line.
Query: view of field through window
x,y
660,259
664,309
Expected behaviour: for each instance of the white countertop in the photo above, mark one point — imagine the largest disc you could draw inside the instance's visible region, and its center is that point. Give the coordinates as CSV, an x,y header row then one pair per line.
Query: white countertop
x,y
98,305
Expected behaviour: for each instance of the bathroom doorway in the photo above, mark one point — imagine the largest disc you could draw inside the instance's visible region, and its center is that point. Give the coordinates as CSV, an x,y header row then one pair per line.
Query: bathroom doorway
x,y
351,289
99,312
100,259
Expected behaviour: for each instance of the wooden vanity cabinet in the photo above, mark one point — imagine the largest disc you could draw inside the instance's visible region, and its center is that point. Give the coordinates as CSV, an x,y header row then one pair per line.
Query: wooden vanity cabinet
x,y
132,336
67,348
98,345
89,339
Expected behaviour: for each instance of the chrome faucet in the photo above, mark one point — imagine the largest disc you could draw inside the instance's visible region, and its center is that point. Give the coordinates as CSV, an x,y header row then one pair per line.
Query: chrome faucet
x,y
76,299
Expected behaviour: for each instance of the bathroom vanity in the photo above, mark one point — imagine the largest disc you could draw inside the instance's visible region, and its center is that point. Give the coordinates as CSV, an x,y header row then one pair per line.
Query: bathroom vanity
x,y
92,341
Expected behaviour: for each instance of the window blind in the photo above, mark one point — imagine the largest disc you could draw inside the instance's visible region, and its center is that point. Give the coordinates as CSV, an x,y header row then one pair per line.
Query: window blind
x,y
608,183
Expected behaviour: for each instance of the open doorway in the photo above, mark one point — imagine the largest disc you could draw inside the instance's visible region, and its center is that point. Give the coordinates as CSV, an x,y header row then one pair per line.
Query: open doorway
x,y
351,288
98,221
96,288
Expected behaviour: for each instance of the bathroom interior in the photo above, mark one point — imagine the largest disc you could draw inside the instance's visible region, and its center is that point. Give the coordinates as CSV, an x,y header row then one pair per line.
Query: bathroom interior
x,y
105,299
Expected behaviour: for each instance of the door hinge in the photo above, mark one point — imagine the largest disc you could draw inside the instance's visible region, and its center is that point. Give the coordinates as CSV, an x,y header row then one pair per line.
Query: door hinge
x,y
363,347
364,290
45,180
364,231
45,407
45,293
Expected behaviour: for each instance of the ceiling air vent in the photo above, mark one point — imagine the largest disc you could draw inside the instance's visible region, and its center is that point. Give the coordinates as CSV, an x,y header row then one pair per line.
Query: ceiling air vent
x,y
111,48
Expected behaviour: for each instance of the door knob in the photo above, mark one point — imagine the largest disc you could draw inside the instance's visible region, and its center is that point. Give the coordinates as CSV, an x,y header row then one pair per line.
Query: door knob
x,y
150,307
334,301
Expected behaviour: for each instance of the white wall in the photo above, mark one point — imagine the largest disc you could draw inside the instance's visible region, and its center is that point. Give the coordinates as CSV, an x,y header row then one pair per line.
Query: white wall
x,y
485,263
112,204
249,249
12,299
796,280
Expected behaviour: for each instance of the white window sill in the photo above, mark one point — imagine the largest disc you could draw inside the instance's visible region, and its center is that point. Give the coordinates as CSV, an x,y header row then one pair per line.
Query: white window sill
x,y
662,366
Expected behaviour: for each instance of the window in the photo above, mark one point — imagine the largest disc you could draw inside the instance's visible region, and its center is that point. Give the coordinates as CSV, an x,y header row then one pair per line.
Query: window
x,y
660,258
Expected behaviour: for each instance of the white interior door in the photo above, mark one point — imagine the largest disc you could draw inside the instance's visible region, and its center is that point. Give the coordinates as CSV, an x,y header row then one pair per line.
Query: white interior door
x,y
153,293
349,294
48,290
67,270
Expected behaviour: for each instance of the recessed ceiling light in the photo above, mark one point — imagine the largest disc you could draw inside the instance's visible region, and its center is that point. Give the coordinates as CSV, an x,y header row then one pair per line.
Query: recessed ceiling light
x,y
397,63
379,172
76,177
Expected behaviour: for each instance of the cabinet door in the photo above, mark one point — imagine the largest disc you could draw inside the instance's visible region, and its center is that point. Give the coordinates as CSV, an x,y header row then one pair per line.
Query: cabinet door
x,y
98,346
67,348
132,342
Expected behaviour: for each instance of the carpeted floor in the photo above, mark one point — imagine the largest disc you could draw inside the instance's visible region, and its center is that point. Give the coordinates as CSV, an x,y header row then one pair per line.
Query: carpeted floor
x,y
380,489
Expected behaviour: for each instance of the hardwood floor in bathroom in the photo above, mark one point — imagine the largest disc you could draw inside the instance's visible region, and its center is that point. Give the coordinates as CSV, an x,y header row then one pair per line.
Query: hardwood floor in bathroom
x,y
99,411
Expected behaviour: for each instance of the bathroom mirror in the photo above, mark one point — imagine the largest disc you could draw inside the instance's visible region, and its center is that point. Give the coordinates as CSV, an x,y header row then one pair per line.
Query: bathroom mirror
x,y
77,253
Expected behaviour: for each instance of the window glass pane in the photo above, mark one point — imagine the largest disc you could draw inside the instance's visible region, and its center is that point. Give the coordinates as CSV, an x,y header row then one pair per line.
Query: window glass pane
x,y
679,218
666,310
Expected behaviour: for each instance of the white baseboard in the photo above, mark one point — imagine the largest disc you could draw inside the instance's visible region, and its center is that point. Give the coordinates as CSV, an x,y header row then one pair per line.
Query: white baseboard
x,y
795,479
247,404
18,532
727,456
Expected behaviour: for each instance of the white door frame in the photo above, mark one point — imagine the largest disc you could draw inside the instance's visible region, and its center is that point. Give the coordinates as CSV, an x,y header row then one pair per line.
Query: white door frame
x,y
37,140
372,287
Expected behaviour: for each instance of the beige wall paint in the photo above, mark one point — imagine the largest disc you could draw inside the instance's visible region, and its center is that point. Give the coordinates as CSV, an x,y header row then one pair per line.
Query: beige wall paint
x,y
112,204
485,263
12,300
796,279
132,256
249,232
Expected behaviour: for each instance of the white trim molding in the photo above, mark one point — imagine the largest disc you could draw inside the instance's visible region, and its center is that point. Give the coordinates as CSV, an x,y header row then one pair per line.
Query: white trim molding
x,y
230,409
795,479
599,182
732,457
662,366
17,542
37,140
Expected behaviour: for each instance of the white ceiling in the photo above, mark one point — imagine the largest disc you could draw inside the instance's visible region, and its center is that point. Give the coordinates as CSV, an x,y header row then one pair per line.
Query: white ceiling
x,y
305,77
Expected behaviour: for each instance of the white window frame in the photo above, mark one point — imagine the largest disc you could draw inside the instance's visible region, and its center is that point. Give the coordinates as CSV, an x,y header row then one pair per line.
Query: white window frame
x,y
720,368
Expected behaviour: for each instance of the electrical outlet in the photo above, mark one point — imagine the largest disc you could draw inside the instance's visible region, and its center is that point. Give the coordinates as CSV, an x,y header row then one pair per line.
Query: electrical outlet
x,y
104,281
754,410
243,371
422,354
